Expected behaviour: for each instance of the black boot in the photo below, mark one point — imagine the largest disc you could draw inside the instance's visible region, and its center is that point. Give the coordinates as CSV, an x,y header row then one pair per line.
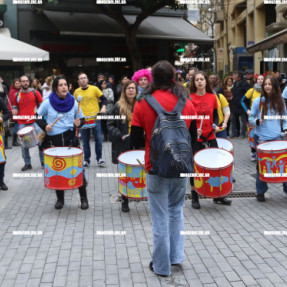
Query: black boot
x,y
83,196
194,200
15,142
6,142
60,199
125,204
222,200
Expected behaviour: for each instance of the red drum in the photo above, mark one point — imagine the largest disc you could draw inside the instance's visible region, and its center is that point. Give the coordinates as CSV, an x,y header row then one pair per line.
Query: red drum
x,y
218,164
272,161
250,131
225,144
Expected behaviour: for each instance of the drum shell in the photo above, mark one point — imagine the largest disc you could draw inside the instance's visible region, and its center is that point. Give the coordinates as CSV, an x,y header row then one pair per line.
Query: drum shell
x,y
250,132
133,185
2,151
28,139
63,172
204,185
225,146
265,162
90,122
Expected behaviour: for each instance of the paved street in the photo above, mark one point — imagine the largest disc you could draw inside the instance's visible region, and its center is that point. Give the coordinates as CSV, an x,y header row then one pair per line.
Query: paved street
x,y
71,251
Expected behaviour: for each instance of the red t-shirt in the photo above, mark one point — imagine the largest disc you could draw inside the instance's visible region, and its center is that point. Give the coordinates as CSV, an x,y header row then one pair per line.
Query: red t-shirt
x,y
144,116
204,106
27,105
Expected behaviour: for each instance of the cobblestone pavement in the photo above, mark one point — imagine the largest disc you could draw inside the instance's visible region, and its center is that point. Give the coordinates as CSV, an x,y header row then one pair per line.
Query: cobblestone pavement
x,y
71,251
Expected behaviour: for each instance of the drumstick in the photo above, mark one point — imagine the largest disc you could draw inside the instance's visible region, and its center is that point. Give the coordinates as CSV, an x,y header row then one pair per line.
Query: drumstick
x,y
79,99
200,126
41,136
142,165
261,108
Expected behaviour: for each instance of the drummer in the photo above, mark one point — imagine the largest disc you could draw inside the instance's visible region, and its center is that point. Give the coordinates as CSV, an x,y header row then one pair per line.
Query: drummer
x,y
268,129
251,95
61,102
4,116
206,105
119,130
91,96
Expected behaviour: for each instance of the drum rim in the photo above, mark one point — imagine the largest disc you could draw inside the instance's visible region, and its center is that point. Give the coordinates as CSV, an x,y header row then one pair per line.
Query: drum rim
x,y
62,155
130,151
267,151
214,168
25,128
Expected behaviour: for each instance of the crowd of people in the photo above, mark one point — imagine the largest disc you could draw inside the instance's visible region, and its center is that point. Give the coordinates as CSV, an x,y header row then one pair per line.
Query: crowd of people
x,y
137,105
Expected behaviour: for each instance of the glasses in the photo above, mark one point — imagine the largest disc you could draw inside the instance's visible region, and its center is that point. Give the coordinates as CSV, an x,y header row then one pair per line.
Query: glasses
x,y
131,88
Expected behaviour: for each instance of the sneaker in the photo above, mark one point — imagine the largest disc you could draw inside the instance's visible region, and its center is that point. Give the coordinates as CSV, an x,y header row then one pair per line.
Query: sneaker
x,y
253,156
86,164
26,167
3,186
101,162
260,197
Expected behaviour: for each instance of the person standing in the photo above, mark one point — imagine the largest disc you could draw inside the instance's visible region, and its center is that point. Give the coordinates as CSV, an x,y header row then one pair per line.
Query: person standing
x,y
250,96
63,132
268,129
119,130
240,87
26,103
5,114
205,104
14,88
166,195
91,96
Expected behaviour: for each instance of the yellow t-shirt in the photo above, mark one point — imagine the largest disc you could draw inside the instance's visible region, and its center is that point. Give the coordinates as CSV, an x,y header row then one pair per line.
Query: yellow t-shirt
x,y
249,96
90,100
222,103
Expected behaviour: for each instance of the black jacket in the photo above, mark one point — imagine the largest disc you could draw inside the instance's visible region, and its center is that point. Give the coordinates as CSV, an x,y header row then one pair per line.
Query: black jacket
x,y
117,129
239,90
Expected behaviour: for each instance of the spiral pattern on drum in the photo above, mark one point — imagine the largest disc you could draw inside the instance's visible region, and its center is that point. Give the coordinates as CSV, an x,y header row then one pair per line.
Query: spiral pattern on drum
x,y
58,164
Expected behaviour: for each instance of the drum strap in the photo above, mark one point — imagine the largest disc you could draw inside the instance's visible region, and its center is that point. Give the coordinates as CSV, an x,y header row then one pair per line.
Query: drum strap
x,y
205,139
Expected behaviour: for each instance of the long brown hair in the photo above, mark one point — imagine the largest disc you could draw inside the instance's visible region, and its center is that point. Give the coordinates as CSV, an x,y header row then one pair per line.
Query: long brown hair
x,y
193,88
276,102
226,79
126,109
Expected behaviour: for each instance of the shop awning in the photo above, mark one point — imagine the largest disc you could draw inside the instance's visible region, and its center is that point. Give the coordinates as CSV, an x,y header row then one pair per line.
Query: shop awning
x,y
154,27
18,51
269,43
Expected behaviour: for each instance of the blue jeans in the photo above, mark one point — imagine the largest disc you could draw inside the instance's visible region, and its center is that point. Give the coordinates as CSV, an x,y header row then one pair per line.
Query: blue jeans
x,y
166,199
85,134
25,151
261,186
222,134
16,128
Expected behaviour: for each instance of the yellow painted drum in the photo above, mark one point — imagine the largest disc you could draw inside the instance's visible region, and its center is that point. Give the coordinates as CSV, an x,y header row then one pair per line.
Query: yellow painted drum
x,y
133,184
63,168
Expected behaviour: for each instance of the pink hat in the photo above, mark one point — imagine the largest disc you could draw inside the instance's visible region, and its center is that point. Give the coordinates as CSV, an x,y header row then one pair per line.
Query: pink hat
x,y
142,73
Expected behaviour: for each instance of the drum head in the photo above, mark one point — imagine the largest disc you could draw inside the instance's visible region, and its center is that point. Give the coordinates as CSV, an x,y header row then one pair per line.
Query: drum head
x,y
273,145
62,151
25,130
213,158
225,144
130,157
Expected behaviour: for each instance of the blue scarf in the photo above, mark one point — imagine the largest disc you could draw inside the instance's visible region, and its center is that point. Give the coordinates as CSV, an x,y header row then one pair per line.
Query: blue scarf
x,y
60,105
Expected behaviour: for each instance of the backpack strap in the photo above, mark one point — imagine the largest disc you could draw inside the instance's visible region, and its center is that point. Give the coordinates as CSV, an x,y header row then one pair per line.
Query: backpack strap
x,y
159,109
179,105
155,104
